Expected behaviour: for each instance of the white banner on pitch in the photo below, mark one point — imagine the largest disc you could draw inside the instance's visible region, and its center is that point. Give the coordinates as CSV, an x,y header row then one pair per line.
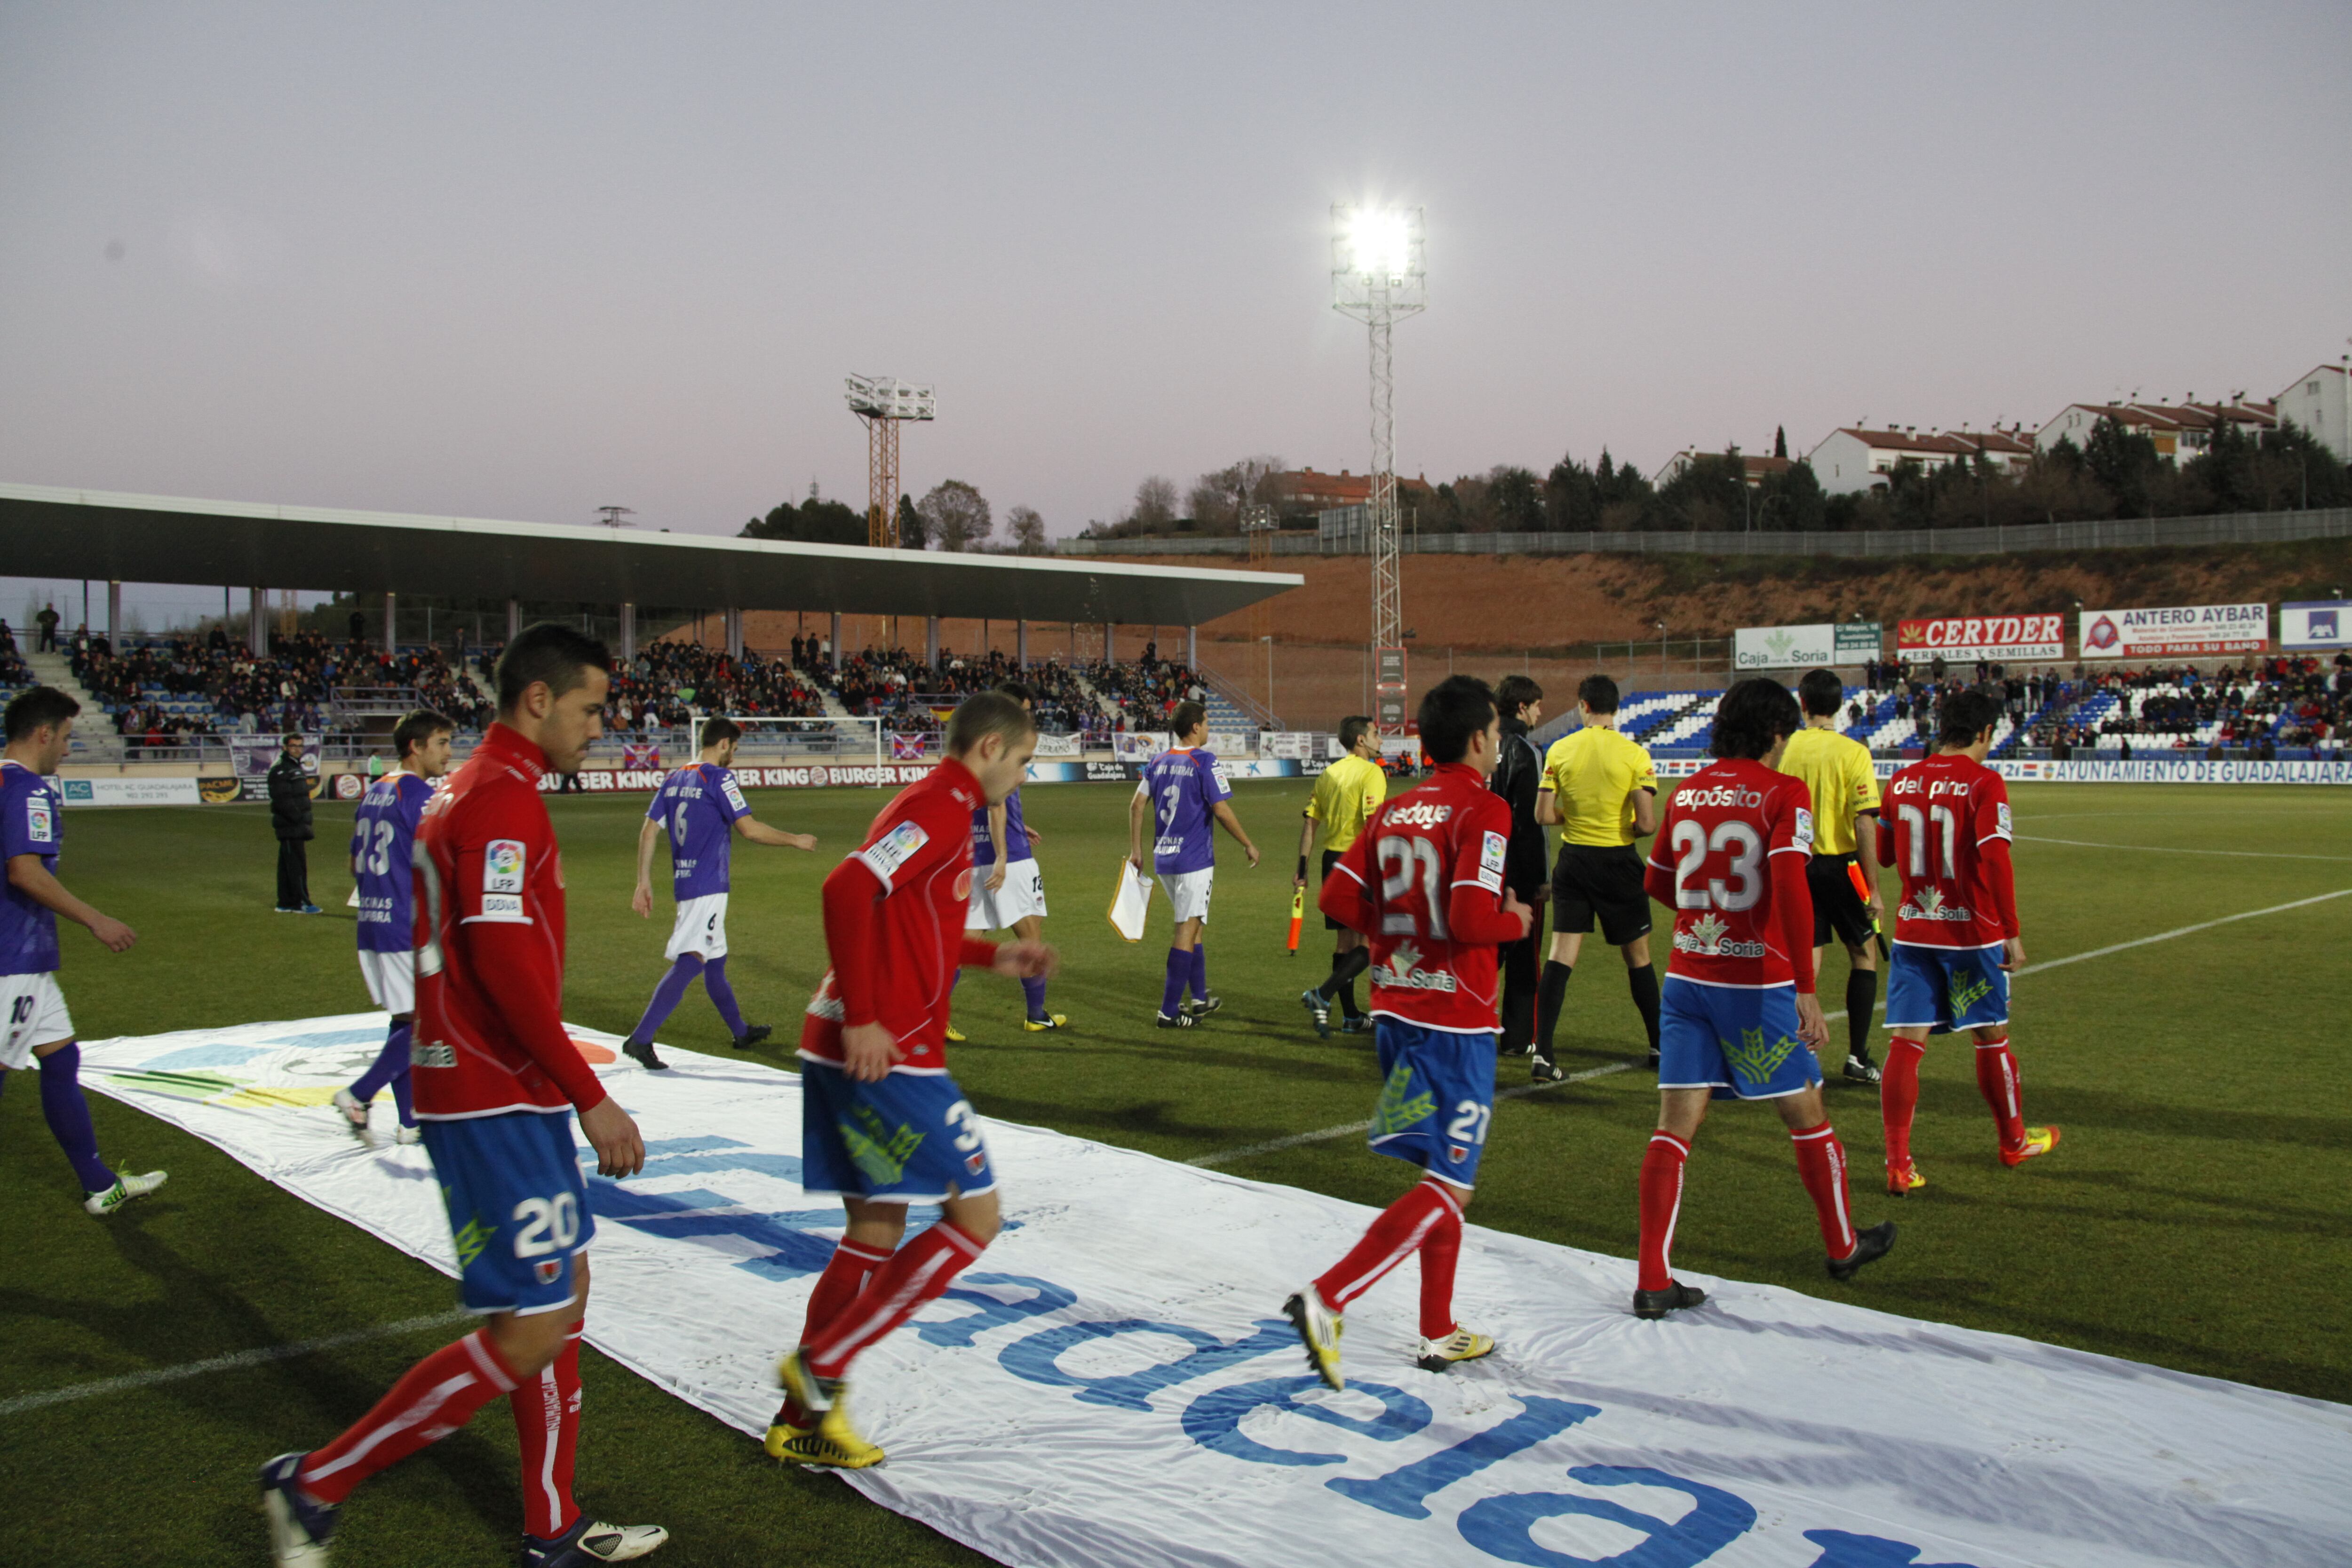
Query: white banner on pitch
x,y
1113,1385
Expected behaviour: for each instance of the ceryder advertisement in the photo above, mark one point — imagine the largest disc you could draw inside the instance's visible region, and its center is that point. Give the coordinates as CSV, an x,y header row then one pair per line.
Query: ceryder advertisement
x,y
1967,638
2178,631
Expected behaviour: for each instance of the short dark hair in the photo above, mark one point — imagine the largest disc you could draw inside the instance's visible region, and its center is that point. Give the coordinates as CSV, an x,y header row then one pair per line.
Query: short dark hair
x,y
1820,691
1514,692
38,706
291,738
1186,716
415,728
548,651
717,731
1352,729
1965,716
1598,692
1019,690
984,714
1754,715
1456,708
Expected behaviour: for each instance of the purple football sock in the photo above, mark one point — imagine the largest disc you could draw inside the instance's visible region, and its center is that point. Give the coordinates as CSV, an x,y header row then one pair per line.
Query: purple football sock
x,y
67,1114
1200,971
1180,969
402,1101
389,1063
1034,990
667,996
722,997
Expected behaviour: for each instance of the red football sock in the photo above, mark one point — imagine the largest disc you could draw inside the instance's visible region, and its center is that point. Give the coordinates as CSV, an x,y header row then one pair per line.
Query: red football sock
x,y
432,1399
1440,1250
1661,1201
1821,1161
1997,1081
918,1272
1898,1096
844,1279
1394,1237
547,1431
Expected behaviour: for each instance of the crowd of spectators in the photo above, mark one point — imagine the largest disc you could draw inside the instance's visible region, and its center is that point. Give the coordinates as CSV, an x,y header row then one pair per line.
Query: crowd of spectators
x,y
288,689
668,682
1142,695
2292,700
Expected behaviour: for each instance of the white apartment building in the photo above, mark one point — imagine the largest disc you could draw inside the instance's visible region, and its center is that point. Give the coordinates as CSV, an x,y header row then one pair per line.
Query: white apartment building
x,y
2319,404
2179,430
1856,458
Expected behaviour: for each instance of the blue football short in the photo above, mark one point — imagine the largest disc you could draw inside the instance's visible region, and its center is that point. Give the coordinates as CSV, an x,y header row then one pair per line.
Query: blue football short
x,y
1737,1040
1942,989
1437,1096
517,1208
911,1139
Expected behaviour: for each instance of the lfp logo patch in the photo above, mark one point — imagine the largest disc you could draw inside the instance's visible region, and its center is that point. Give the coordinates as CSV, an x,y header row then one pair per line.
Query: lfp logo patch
x,y
502,865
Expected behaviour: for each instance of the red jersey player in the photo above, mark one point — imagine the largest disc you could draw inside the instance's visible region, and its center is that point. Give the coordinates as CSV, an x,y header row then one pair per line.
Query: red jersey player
x,y
882,1124
1946,832
1423,881
496,1081
1739,1019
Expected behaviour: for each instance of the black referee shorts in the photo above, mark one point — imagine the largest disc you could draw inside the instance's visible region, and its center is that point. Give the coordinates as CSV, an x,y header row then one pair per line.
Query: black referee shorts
x,y
1591,883
1330,858
1838,910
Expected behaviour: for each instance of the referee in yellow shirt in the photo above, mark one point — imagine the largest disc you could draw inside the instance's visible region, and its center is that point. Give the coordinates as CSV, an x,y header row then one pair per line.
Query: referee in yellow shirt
x,y
1345,797
1601,792
1844,786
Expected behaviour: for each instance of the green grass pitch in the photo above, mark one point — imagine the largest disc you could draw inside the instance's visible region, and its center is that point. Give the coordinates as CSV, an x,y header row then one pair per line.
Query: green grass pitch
x,y
2193,1217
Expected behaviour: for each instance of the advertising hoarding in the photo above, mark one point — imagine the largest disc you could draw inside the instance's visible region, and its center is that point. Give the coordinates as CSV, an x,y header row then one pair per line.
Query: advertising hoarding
x,y
2315,624
1783,647
1966,639
2175,631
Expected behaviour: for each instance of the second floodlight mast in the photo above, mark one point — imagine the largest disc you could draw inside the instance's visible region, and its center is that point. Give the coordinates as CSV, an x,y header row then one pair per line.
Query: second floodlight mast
x,y
1377,278
884,403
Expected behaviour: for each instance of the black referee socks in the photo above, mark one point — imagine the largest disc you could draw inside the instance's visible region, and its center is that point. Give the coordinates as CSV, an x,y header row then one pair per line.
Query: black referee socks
x,y
1861,1003
1643,983
1551,989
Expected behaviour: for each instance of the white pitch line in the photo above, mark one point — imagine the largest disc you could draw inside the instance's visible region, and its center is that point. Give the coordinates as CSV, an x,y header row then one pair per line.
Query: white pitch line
x,y
2176,850
1324,1135
229,1362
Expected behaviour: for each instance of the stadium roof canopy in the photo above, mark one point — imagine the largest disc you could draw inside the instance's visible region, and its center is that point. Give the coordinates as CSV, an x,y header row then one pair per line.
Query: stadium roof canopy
x,y
52,532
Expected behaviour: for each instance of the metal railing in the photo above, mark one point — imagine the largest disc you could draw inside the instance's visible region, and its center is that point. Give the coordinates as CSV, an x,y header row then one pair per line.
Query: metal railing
x,y
2111,533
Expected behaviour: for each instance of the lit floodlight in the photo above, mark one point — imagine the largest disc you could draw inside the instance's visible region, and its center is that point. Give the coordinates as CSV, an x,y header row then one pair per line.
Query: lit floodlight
x,y
886,397
1376,260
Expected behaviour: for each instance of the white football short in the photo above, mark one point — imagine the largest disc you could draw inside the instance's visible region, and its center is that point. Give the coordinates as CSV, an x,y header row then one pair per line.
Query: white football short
x,y
32,1013
391,979
700,929
1023,895
1188,891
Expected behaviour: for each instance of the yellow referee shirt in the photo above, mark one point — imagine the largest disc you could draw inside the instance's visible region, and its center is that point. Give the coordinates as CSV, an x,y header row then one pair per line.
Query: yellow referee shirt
x,y
1593,773
1345,797
1837,772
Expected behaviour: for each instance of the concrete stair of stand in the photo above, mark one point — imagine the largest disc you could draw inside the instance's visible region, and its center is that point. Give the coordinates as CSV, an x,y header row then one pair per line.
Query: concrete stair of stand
x,y
94,735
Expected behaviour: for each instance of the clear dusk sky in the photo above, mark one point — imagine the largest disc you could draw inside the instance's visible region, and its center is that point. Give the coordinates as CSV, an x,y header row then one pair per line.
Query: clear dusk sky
x,y
519,261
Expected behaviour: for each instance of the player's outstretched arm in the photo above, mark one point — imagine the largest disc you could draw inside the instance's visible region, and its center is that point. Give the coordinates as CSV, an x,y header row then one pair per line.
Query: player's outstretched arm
x,y
758,832
37,882
1233,825
641,901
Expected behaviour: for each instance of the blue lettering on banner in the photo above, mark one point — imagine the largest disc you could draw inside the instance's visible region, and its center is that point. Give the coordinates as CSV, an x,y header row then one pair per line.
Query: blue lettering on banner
x,y
1502,1526
1214,1420
960,1333
1034,1359
1401,1491
1841,1549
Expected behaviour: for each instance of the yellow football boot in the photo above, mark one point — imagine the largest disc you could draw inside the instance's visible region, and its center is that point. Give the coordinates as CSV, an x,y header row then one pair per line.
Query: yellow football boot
x,y
2038,1141
1461,1345
1319,1330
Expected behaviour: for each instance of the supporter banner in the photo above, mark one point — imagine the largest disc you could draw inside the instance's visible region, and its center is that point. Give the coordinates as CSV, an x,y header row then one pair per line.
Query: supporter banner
x,y
1057,745
2325,623
1112,1385
1231,742
1139,745
1783,647
640,753
1297,745
130,792
907,746
251,756
1967,638
2181,631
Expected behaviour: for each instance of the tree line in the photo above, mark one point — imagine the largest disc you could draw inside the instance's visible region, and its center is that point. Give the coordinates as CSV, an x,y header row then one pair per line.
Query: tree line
x,y
953,516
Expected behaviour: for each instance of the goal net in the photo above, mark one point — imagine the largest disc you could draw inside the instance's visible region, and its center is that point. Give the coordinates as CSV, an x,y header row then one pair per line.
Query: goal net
x,y
779,742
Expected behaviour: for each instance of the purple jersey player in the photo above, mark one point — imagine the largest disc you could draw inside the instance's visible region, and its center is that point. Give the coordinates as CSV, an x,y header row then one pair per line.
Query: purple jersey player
x,y
1184,795
1008,889
383,832
34,1025
698,810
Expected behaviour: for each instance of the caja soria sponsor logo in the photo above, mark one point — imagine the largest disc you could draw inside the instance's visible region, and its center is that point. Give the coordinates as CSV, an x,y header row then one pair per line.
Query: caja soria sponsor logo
x,y
1705,938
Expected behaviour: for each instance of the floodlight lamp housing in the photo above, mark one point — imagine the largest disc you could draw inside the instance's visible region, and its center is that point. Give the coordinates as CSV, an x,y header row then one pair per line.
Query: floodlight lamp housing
x,y
1377,261
886,397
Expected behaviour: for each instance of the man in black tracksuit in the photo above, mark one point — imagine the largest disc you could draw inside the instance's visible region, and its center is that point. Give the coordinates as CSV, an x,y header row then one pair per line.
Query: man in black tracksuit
x,y
289,817
1518,772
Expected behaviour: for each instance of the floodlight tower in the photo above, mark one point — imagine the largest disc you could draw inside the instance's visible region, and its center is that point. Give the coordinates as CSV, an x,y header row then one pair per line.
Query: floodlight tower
x,y
1377,278
884,403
